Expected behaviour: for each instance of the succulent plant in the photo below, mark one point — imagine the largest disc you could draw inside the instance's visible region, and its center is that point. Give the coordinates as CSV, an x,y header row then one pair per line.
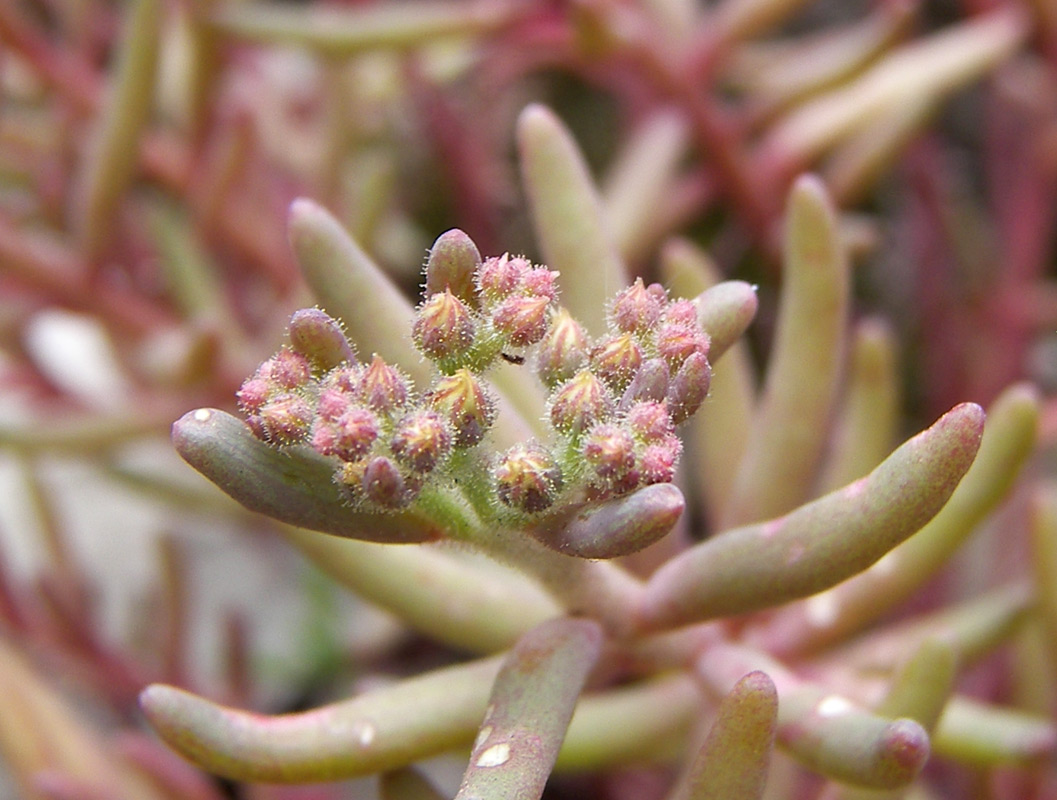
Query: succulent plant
x,y
418,429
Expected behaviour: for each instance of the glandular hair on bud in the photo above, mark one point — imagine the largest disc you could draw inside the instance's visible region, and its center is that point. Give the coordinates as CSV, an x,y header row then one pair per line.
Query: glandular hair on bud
x,y
384,484
639,307
284,419
522,318
383,387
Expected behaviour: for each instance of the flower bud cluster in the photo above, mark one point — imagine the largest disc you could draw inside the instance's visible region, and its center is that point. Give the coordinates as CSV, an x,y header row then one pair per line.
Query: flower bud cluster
x,y
507,306
387,440
614,400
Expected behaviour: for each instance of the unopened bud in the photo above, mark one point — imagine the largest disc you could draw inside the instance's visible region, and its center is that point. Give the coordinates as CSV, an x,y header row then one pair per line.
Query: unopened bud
x,y
382,387
681,312
384,485
355,432
421,440
658,460
253,394
463,402
284,419
639,307
650,383
451,266
649,421
285,370
318,337
332,403
562,351
522,318
527,478
580,402
501,276
689,388
676,343
610,451
616,359
542,282
443,326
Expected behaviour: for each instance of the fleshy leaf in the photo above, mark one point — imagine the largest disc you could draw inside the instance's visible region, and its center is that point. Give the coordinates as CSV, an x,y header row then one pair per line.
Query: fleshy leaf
x,y
734,758
1009,438
822,543
375,732
988,736
724,312
823,730
617,527
791,424
568,216
529,710
292,485
480,609
353,289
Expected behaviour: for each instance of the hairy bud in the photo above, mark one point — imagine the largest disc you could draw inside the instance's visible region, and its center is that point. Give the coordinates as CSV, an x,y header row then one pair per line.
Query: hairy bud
x,y
501,276
382,387
452,263
443,326
463,402
689,387
522,318
318,337
283,419
580,402
638,308
527,478
562,351
384,484
421,441
616,359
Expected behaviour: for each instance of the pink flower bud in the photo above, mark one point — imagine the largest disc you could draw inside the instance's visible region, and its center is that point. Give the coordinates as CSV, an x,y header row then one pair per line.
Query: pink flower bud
x,y
501,276
542,282
443,326
453,261
639,308
523,319
579,403
616,359
681,312
649,421
676,343
649,383
356,431
421,440
689,387
332,403
562,351
610,450
527,478
384,484
285,419
463,402
253,393
285,370
658,460
318,337
382,387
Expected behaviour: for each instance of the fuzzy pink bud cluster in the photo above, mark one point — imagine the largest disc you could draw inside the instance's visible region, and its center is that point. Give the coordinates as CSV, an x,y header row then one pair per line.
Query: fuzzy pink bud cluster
x,y
614,400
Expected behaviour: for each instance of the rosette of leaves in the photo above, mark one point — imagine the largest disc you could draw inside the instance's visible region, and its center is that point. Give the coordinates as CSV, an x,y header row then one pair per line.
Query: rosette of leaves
x,y
543,428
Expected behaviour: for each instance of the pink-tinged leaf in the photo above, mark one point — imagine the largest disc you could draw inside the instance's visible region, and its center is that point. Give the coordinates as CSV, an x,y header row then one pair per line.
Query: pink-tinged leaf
x,y
819,544
617,527
822,730
294,485
568,216
734,759
989,736
725,312
529,710
375,732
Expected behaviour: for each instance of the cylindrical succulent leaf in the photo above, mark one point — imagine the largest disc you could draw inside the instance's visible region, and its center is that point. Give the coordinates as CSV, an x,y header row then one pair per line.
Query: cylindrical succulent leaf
x,y
452,266
318,337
